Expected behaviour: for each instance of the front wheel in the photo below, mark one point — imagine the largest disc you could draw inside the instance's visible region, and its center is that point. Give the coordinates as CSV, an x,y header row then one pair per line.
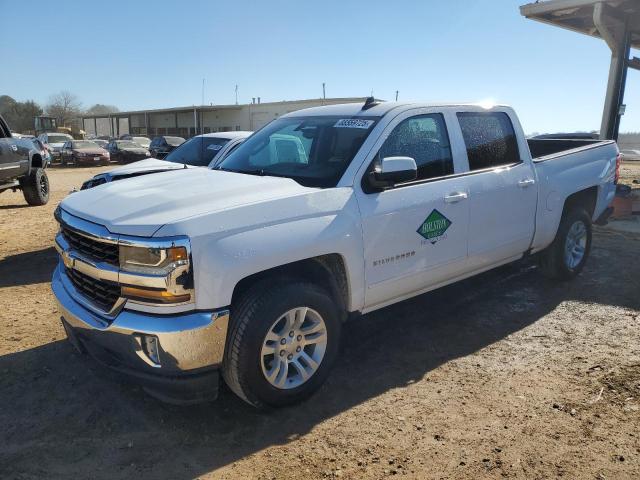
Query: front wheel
x,y
35,187
283,340
566,256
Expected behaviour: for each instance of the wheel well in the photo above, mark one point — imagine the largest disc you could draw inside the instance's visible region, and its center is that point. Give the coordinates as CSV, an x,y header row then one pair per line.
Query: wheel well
x,y
327,271
584,198
36,161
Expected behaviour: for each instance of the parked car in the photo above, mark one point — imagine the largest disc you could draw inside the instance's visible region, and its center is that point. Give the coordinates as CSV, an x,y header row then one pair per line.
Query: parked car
x,y
54,142
84,152
161,146
568,136
126,151
201,151
249,270
631,155
139,139
22,167
100,142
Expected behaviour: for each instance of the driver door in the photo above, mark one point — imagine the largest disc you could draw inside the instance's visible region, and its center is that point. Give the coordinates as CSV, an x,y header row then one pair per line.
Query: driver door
x,y
415,234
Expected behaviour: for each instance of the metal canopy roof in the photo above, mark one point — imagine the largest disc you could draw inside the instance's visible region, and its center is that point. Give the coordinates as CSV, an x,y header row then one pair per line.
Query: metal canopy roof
x,y
578,15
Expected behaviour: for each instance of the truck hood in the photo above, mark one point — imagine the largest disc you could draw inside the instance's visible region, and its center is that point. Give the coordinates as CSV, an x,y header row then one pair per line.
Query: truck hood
x,y
142,205
149,164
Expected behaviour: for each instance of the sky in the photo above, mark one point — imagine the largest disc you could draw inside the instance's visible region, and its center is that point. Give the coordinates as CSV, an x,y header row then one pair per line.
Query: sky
x,y
155,54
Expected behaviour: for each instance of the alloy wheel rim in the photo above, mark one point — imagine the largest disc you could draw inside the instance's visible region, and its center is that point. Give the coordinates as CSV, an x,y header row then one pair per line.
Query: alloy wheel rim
x,y
44,187
293,348
575,245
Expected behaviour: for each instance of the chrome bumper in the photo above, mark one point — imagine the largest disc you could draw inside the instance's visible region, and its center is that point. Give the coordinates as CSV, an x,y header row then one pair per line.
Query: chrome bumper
x,y
186,342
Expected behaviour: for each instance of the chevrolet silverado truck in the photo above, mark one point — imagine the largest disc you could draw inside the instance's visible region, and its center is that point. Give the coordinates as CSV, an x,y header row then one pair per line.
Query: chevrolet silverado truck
x,y
22,167
249,270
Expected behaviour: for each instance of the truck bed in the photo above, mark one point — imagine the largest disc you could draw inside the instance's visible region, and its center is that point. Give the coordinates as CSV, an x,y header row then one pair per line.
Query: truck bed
x,y
546,149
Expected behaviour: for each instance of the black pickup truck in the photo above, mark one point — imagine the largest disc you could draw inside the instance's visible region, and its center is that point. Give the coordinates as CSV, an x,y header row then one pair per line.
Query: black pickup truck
x,y
22,167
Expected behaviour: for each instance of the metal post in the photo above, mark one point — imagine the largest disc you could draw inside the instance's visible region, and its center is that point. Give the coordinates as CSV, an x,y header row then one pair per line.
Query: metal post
x,y
619,41
610,126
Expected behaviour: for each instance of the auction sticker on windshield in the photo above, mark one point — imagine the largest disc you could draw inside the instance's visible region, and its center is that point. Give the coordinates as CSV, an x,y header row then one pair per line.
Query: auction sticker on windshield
x,y
353,123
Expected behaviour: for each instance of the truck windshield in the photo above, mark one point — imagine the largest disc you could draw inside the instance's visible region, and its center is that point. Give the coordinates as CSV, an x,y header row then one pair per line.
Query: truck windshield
x,y
313,151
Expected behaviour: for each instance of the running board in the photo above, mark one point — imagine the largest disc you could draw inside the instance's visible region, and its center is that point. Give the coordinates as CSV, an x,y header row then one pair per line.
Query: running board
x,y
14,184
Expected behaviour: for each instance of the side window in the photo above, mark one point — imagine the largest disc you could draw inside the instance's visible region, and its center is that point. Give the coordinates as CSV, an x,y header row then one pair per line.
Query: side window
x,y
489,138
423,138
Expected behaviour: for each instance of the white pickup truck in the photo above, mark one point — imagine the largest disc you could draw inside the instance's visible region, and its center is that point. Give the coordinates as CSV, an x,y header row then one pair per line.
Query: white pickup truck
x,y
249,269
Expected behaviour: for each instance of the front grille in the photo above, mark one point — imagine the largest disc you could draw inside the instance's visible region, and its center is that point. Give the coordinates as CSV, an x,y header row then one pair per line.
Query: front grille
x,y
103,294
93,249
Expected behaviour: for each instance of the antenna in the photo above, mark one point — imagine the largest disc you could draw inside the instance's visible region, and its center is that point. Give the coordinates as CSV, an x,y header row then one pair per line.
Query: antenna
x,y
236,94
396,95
369,102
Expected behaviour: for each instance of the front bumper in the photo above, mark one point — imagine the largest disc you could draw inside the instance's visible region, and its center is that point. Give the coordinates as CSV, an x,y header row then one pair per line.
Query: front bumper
x,y
190,345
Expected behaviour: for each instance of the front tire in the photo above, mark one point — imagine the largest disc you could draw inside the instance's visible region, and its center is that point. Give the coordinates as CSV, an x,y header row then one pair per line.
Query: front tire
x,y
35,187
283,341
567,255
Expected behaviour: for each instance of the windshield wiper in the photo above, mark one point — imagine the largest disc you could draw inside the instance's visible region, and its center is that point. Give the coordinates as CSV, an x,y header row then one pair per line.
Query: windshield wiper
x,y
258,171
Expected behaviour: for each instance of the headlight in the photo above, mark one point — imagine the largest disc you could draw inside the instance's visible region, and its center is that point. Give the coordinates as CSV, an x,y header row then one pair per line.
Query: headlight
x,y
155,261
147,154
169,265
106,154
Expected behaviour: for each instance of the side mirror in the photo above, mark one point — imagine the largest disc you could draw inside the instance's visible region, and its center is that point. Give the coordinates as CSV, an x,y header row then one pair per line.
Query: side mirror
x,y
393,170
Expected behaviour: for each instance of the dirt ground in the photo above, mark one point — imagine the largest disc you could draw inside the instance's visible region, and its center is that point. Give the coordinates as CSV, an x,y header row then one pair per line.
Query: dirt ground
x,y
504,375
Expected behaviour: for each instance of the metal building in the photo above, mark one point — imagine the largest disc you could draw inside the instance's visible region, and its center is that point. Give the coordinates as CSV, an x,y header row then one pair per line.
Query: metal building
x,y
617,22
189,121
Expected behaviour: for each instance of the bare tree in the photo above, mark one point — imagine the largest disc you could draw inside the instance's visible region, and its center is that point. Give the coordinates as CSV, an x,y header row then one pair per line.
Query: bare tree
x,y
100,109
65,106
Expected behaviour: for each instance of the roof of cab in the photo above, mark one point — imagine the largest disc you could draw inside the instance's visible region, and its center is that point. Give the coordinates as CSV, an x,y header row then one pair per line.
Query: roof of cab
x,y
378,110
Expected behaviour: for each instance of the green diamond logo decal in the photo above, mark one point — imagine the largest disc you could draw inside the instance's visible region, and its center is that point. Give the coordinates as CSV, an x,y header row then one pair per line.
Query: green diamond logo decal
x,y
434,226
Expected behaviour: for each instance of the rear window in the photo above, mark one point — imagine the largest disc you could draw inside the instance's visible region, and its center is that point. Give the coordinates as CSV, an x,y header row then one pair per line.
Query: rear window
x,y
58,138
174,141
489,138
198,151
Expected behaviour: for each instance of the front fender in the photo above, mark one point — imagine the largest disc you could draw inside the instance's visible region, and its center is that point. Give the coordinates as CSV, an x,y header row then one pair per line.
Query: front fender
x,y
221,261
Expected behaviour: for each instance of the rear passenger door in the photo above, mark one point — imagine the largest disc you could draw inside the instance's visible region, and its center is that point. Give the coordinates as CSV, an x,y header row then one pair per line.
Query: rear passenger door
x,y
415,234
502,190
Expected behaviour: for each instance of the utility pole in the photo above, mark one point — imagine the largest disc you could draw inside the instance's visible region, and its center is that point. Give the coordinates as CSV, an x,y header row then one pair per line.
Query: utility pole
x,y
324,95
236,94
396,95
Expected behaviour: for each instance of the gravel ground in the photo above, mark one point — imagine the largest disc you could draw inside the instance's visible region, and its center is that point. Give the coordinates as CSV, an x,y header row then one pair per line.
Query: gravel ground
x,y
502,376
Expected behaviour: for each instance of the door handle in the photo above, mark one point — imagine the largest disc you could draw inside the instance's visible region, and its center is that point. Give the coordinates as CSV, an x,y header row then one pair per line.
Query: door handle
x,y
455,197
527,182
14,148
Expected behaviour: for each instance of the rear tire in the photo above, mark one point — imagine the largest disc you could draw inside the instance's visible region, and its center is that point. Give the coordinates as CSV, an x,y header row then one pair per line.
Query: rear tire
x,y
256,316
35,187
567,255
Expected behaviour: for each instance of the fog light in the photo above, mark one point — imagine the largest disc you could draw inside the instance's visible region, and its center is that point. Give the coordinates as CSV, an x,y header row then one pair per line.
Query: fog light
x,y
151,348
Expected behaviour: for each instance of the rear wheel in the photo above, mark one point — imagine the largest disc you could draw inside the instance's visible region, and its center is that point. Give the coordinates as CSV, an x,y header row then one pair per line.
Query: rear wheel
x,y
566,256
282,343
35,187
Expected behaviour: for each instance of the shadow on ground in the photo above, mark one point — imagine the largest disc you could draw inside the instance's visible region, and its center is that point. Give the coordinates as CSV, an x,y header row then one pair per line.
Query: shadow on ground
x,y
28,268
62,418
